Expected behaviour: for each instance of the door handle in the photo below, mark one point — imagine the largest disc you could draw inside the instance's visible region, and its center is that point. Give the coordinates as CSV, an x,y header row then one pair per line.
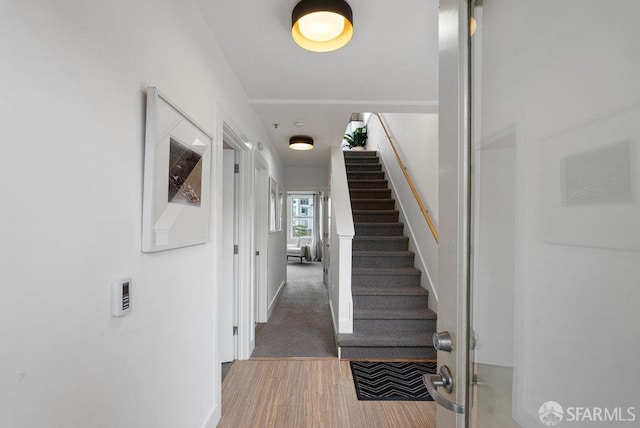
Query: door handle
x,y
442,341
445,380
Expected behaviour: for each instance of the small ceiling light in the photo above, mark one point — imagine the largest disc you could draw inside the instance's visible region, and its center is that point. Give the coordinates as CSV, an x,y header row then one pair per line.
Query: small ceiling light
x,y
473,25
301,142
322,25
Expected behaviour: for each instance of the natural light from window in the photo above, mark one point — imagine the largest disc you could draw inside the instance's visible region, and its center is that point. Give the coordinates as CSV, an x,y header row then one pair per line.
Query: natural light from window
x,y
302,221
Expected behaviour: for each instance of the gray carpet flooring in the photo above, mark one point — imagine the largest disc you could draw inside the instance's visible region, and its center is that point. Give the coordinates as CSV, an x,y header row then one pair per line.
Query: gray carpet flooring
x,y
300,325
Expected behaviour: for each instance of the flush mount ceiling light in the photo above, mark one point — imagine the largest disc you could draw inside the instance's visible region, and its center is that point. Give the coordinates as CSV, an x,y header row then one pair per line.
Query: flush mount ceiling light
x,y
301,142
322,25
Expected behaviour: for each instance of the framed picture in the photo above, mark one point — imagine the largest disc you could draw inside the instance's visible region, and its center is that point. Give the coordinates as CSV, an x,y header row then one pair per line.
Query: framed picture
x,y
177,171
274,200
592,188
280,208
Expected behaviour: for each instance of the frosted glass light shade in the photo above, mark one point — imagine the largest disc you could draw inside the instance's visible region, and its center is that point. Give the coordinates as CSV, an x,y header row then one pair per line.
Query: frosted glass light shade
x,y
322,25
301,142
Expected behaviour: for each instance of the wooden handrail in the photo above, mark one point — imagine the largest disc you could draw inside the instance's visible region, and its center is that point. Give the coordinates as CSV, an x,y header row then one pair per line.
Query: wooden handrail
x,y
424,210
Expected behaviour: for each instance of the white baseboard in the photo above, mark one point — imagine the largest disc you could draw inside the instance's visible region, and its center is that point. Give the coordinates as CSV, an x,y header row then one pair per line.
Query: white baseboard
x,y
213,419
333,318
275,299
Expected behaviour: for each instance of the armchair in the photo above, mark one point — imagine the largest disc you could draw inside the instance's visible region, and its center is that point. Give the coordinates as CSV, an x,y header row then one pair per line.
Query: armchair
x,y
300,247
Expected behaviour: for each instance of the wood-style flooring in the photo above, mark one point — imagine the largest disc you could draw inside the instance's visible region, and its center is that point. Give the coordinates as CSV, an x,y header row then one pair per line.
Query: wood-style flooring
x,y
300,393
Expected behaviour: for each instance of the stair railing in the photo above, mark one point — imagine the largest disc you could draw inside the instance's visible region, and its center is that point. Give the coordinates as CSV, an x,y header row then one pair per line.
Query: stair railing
x,y
341,237
423,208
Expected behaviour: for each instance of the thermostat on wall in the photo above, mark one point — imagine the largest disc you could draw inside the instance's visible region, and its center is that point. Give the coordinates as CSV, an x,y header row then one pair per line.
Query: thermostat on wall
x,y
121,297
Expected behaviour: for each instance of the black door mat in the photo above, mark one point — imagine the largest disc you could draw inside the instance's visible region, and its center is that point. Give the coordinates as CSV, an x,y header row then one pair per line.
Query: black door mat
x,y
391,380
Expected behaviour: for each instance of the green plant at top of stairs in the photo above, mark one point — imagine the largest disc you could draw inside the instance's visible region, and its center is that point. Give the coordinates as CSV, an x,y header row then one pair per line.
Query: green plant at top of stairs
x,y
357,138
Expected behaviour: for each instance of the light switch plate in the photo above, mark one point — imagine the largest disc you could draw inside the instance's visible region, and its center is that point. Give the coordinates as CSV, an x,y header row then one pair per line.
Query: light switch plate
x,y
121,297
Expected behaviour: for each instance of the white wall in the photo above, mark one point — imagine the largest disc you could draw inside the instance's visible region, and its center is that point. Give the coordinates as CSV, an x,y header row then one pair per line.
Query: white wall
x,y
415,137
306,177
72,113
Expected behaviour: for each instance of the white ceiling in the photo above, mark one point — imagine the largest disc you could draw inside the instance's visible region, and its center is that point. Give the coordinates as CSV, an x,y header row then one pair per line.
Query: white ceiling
x,y
390,65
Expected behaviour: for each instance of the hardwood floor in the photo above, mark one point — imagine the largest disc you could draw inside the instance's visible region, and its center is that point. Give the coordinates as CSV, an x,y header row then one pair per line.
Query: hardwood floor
x,y
302,393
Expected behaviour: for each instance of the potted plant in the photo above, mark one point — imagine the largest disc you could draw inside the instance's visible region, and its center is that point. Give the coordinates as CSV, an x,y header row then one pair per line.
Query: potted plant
x,y
357,140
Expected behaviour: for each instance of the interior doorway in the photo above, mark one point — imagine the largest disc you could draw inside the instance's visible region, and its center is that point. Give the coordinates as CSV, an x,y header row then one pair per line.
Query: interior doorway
x,y
305,225
235,236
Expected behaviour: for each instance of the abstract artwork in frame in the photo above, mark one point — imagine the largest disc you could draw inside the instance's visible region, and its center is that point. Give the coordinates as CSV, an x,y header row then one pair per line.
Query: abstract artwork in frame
x,y
177,171
591,192
273,205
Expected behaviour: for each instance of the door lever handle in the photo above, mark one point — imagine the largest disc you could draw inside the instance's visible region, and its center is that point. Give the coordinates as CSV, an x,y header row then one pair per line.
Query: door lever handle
x,y
445,380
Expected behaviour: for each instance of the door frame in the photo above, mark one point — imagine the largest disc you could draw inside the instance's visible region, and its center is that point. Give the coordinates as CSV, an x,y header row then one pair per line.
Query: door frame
x,y
232,134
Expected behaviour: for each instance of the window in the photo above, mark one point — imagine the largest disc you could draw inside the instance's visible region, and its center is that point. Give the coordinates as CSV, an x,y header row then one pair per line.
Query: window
x,y
302,221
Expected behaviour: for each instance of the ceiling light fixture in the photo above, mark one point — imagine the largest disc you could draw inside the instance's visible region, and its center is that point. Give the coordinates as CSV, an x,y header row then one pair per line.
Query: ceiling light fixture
x,y
301,142
322,25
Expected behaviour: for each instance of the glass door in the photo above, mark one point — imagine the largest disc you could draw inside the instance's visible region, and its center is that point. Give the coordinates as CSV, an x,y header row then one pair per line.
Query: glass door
x,y
555,214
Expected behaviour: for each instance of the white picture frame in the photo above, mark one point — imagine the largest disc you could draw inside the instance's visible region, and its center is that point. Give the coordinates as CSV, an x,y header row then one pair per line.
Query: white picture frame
x,y
273,206
177,177
591,185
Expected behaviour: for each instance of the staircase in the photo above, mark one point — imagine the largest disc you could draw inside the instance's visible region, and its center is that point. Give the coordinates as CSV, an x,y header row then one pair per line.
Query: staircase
x,y
391,318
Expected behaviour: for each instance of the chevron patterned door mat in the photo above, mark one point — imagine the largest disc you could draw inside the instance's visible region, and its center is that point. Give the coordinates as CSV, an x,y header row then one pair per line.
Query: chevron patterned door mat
x,y
391,380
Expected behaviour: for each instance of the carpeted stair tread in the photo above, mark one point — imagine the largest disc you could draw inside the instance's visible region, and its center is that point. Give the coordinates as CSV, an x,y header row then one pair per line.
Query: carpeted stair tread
x,y
362,160
390,290
374,212
383,201
386,271
378,229
365,175
361,166
394,314
365,183
359,153
375,216
383,253
372,224
372,339
380,238
370,193
373,204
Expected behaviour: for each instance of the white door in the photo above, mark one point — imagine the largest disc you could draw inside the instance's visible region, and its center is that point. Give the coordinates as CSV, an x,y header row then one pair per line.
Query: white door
x,y
552,150
227,310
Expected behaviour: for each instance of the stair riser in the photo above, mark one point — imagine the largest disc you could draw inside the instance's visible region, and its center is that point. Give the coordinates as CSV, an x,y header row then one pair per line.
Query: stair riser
x,y
382,261
365,175
367,184
371,217
388,204
375,194
396,353
382,245
374,281
392,326
360,153
371,230
362,160
364,167
391,302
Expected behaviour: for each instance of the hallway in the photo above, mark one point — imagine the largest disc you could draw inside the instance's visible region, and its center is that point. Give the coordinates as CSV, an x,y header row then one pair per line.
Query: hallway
x,y
310,393
300,325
